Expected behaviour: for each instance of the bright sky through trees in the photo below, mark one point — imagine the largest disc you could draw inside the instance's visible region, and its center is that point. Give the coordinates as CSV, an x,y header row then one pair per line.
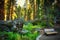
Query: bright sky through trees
x,y
20,3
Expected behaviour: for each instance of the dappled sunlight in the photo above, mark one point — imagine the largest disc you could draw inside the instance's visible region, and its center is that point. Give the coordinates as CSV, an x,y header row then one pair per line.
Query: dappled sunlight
x,y
14,16
29,19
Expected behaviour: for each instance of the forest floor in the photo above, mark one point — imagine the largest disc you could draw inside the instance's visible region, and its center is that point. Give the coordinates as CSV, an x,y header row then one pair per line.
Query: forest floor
x,y
50,37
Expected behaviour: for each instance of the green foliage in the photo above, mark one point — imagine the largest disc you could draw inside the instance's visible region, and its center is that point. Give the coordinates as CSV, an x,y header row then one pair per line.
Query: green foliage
x,y
30,26
11,35
32,32
30,35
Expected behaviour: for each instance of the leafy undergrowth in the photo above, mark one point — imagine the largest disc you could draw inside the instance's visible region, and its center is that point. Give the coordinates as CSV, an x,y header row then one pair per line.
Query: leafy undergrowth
x,y
17,36
30,26
30,35
33,31
10,36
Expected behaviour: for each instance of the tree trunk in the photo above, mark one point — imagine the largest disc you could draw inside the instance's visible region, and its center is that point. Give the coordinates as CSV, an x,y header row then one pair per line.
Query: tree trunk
x,y
1,9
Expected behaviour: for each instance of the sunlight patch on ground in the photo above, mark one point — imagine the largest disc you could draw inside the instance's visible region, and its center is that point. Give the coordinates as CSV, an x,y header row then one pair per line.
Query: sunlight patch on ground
x,y
38,37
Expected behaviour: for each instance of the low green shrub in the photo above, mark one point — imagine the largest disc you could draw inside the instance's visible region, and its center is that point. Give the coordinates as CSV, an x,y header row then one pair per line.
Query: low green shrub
x,y
11,36
32,32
